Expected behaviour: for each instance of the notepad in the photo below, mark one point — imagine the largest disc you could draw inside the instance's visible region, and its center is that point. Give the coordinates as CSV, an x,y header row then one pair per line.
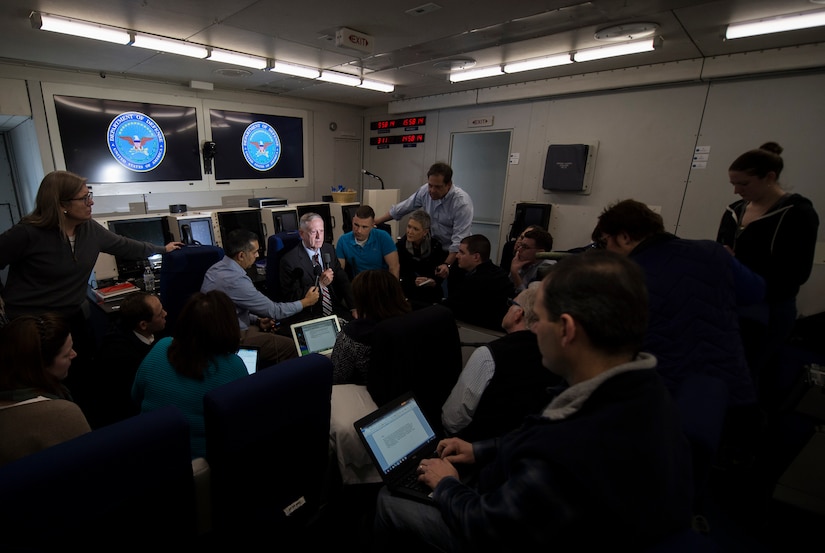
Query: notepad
x,y
115,290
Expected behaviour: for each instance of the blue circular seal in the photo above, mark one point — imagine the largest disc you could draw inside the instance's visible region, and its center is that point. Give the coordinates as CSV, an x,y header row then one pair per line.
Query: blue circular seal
x,y
136,141
261,146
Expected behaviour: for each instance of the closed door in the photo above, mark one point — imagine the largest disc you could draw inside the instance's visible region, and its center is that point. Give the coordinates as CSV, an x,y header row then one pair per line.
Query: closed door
x,y
480,161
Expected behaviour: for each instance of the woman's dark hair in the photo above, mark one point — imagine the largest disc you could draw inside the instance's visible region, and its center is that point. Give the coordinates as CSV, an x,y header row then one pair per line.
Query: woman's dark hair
x,y
378,295
206,327
28,346
761,161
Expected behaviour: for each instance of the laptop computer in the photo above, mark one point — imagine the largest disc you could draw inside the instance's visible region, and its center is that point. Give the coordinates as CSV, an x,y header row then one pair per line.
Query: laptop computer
x,y
397,436
316,335
249,355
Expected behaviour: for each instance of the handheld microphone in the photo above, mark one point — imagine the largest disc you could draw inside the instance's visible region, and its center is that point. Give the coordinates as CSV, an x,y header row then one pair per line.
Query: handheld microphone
x,y
327,261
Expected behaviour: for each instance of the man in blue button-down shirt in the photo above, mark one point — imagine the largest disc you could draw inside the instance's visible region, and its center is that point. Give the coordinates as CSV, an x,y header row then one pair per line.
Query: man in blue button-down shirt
x,y
450,209
257,314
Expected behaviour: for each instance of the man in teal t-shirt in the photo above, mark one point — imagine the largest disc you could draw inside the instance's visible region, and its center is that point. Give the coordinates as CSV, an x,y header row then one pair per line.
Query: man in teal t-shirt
x,y
362,249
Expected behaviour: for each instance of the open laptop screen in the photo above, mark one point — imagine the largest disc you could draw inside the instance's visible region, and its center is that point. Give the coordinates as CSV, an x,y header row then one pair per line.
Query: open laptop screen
x,y
394,432
316,335
249,355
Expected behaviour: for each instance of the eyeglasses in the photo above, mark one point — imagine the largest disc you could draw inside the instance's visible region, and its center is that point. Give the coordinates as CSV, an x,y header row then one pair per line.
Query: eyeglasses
x,y
87,198
600,243
521,246
513,302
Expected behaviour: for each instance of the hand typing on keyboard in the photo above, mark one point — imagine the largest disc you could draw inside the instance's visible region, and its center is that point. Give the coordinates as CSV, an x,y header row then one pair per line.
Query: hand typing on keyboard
x,y
431,471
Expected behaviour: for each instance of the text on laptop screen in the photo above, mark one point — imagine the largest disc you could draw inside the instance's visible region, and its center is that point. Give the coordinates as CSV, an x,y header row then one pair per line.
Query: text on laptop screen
x,y
399,433
316,336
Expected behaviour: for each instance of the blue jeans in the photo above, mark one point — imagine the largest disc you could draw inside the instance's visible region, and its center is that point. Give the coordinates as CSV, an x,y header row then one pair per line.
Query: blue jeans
x,y
406,525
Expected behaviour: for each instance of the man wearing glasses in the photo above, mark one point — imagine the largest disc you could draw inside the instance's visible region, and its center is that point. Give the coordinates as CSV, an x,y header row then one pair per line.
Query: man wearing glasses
x,y
525,267
503,381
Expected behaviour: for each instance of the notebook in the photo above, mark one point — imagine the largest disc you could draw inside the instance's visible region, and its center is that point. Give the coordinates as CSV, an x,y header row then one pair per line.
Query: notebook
x,y
316,335
397,436
249,355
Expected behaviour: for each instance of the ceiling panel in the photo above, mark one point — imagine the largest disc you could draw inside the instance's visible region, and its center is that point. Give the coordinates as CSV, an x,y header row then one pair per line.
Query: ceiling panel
x,y
409,50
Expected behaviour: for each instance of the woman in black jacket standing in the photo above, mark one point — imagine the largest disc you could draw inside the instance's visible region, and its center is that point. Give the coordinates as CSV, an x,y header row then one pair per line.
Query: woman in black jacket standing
x,y
774,233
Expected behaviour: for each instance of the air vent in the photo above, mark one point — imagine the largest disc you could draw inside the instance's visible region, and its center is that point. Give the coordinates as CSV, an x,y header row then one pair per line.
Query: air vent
x,y
454,64
426,8
627,31
232,73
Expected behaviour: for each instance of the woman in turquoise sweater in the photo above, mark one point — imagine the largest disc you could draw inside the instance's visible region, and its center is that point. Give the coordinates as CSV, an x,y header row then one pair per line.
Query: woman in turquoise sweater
x,y
199,357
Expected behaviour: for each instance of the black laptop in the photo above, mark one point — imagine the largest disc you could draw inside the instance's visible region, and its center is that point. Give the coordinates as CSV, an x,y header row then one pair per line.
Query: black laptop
x,y
397,437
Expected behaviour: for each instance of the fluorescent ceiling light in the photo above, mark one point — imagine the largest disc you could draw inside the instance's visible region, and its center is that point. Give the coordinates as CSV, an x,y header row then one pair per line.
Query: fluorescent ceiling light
x,y
375,85
57,24
296,70
170,45
777,25
340,78
476,74
225,56
537,63
635,47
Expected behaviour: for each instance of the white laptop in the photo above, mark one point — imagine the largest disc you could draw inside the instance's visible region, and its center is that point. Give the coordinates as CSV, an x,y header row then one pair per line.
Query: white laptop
x,y
316,335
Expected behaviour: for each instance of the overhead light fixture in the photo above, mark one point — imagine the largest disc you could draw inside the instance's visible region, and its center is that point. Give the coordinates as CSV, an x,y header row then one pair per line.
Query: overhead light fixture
x,y
170,46
375,85
476,74
340,78
95,31
776,25
57,24
295,70
234,58
537,63
624,49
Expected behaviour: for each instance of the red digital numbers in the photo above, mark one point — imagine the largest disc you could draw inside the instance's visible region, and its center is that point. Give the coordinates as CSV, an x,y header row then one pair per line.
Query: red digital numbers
x,y
393,123
396,139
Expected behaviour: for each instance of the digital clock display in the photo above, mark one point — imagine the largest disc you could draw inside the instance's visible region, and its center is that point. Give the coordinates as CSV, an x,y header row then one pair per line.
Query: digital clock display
x,y
396,139
398,123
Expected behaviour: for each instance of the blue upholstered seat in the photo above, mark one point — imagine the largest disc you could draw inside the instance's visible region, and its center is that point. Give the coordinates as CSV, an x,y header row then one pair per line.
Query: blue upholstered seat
x,y
181,275
128,485
267,442
276,246
419,352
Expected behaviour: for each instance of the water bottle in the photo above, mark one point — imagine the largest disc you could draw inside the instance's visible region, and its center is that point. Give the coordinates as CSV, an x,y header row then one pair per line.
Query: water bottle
x,y
149,279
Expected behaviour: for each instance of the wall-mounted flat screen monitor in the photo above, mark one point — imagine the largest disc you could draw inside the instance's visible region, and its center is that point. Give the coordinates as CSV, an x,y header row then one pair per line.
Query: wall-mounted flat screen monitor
x,y
126,142
151,229
348,212
257,145
530,214
285,221
249,219
197,231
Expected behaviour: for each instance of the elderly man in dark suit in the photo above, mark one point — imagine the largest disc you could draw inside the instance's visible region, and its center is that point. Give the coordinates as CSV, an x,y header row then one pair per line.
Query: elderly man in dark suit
x,y
313,258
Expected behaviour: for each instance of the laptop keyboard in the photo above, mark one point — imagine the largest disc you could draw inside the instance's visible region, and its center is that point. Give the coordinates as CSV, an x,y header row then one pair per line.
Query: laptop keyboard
x,y
410,481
